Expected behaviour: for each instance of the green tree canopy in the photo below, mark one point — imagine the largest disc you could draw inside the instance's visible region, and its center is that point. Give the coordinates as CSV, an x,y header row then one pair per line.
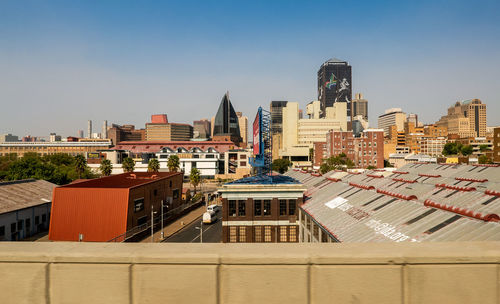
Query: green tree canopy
x,y
80,165
173,163
466,150
339,162
281,165
483,159
194,178
153,165
128,164
484,148
106,167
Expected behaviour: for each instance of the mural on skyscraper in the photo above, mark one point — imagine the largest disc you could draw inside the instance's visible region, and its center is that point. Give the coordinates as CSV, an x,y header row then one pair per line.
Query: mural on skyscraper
x,y
342,92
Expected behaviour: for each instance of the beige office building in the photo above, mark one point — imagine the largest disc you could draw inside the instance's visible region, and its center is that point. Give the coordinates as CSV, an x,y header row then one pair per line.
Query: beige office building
x,y
299,135
465,119
243,122
392,117
168,132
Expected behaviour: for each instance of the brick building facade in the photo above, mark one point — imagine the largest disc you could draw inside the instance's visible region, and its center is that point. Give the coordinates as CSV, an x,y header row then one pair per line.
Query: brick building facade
x,y
364,151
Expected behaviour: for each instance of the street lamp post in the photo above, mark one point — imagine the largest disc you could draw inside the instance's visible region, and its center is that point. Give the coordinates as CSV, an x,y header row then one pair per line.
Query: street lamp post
x,y
201,231
162,219
152,223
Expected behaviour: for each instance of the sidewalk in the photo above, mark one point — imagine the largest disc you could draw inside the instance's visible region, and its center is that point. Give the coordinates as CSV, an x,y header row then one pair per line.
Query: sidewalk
x,y
176,226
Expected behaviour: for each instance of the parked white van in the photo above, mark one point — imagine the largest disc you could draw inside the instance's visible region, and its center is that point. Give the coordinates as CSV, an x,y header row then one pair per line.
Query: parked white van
x,y
214,208
209,217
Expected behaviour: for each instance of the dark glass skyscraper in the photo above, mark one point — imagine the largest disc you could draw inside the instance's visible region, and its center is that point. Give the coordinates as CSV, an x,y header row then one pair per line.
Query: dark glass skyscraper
x,y
334,84
226,120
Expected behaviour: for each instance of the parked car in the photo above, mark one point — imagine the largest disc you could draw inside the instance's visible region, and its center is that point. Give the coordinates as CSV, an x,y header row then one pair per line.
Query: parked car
x,y
214,208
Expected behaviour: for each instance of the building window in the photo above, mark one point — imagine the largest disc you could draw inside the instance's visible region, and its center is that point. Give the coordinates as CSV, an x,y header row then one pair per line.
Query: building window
x,y
139,204
37,220
155,192
232,234
2,231
324,238
170,184
243,164
13,227
175,194
267,207
257,234
142,220
292,204
282,207
293,234
232,208
283,236
243,156
241,208
20,225
28,224
243,234
267,234
257,208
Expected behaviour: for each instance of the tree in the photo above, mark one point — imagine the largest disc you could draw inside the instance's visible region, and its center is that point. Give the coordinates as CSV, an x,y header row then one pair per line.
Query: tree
x,y
450,149
371,167
106,167
466,150
281,165
387,164
484,148
339,162
483,159
194,178
80,165
173,163
153,165
128,164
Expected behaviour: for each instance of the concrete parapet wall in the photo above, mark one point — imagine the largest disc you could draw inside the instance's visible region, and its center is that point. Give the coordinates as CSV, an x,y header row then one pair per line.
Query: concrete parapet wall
x,y
250,273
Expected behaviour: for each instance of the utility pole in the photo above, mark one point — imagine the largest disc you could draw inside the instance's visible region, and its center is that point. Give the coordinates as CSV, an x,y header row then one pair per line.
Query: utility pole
x,y
152,222
162,219
201,231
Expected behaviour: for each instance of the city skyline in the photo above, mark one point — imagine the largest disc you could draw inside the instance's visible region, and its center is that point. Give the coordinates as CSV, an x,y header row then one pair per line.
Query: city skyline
x,y
67,63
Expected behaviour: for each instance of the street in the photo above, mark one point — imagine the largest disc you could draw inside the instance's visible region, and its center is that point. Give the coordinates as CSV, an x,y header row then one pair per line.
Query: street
x,y
212,233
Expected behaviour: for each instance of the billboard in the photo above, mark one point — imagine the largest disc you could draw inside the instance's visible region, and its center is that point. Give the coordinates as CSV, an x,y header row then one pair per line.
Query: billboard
x,y
257,133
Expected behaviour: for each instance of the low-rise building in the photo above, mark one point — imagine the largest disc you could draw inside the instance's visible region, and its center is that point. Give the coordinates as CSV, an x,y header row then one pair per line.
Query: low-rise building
x,y
261,210
25,208
103,209
208,161
496,145
47,148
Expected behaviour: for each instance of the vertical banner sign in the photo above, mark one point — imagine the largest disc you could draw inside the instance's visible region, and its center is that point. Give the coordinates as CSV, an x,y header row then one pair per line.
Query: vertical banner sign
x,y
256,134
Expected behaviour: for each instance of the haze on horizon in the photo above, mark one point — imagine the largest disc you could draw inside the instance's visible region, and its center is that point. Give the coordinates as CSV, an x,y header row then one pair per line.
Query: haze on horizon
x,y
65,62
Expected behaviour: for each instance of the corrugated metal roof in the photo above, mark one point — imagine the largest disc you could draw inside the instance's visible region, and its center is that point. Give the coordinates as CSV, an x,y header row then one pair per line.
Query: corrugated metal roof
x,y
419,202
22,194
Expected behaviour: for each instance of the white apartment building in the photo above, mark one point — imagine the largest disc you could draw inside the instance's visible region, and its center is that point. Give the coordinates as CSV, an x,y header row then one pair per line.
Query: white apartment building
x,y
392,117
207,162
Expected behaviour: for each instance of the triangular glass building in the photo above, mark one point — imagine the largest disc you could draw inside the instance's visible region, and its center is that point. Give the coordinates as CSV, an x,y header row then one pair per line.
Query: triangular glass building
x,y
226,121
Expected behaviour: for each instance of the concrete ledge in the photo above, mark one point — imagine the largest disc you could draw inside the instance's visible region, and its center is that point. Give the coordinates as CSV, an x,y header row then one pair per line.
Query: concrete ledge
x,y
250,273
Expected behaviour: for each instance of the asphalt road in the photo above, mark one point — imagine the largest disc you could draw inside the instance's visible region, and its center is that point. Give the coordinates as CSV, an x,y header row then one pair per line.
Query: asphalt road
x,y
212,233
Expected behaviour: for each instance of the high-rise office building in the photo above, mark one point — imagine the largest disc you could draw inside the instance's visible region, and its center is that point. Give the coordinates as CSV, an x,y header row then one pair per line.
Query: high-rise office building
x,y
392,117
89,129
80,133
243,122
334,84
104,132
226,122
359,106
201,128
276,108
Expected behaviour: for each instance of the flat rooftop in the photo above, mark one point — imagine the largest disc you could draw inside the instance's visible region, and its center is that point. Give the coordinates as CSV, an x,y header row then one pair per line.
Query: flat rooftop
x,y
125,180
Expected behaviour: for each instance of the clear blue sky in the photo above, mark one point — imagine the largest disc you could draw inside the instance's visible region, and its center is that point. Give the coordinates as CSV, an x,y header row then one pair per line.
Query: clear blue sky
x,y
64,62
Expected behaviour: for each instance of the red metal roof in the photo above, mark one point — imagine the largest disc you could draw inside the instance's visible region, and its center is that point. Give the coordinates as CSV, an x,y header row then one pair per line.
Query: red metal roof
x,y
125,180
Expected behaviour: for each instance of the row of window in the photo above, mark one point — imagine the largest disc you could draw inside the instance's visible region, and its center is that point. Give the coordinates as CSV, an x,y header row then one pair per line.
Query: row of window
x,y
14,227
262,234
261,207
